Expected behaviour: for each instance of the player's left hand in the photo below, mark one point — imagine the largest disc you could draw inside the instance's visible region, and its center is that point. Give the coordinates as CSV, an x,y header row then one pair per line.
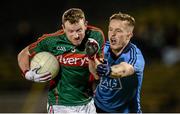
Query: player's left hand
x,y
104,69
32,75
91,48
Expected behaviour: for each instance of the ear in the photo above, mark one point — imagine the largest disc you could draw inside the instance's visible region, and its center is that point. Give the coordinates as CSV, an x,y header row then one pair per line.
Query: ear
x,y
63,26
86,23
130,35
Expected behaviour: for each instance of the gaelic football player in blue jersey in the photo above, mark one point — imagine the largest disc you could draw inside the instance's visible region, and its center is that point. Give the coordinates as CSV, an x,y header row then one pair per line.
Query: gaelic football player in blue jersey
x,y
121,72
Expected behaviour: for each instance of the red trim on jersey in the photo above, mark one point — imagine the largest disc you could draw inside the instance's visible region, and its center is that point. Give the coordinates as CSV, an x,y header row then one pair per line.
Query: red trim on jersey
x,y
56,95
74,55
91,79
51,109
52,83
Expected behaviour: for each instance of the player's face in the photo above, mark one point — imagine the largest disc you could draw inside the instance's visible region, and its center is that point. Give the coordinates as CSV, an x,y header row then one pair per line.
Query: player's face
x,y
119,34
75,32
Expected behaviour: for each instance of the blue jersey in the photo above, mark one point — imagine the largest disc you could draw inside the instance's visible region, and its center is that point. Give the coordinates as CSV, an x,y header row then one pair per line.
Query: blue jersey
x,y
121,94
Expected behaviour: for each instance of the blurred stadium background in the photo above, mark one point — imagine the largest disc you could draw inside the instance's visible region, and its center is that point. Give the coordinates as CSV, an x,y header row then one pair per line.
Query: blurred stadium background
x,y
157,34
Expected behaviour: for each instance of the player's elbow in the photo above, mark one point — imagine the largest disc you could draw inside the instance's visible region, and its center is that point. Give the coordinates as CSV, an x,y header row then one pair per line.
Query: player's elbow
x,y
122,70
128,70
20,55
23,54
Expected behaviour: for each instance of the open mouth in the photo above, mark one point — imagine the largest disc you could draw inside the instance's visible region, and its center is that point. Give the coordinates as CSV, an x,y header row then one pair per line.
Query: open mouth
x,y
77,41
113,41
77,38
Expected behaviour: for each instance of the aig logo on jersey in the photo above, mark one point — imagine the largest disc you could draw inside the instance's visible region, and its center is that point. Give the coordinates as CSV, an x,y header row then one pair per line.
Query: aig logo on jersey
x,y
110,83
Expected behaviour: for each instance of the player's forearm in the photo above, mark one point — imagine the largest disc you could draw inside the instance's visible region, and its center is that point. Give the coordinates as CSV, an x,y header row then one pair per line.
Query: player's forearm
x,y
23,60
92,69
122,70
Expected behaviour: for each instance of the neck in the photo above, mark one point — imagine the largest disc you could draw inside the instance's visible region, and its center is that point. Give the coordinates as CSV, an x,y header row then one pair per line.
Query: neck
x,y
119,51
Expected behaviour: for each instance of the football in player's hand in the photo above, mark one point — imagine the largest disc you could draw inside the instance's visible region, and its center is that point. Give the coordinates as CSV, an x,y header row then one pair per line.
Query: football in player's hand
x,y
47,63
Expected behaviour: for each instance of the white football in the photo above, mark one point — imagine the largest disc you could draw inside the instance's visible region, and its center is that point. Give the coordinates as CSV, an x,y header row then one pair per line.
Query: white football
x,y
47,61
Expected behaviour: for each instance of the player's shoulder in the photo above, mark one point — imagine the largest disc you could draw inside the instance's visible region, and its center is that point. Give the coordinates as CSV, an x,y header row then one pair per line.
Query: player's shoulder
x,y
95,33
134,47
135,52
51,35
107,43
94,30
131,51
130,46
107,46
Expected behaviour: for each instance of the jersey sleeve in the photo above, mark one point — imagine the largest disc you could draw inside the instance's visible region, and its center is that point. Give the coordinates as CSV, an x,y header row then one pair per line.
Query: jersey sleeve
x,y
139,64
38,46
136,59
43,42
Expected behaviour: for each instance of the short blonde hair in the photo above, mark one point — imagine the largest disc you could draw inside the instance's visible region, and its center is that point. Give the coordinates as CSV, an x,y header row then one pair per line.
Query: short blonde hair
x,y
123,17
73,15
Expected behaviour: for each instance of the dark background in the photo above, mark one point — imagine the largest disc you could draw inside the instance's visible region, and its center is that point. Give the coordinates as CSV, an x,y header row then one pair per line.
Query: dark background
x,y
156,34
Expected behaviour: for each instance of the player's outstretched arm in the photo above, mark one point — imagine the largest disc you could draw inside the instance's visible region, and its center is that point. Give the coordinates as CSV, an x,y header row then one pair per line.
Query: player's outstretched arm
x,y
122,70
92,69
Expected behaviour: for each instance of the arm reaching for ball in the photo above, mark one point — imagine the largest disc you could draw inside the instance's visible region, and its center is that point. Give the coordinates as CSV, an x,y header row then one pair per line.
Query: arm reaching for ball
x,y
123,69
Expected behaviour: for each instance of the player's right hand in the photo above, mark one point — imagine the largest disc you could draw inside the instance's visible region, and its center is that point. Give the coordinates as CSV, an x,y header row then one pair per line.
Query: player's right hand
x,y
103,69
32,75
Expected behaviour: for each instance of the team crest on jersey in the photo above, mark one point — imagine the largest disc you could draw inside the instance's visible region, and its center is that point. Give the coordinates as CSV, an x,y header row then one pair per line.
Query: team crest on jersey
x,y
61,48
110,83
73,50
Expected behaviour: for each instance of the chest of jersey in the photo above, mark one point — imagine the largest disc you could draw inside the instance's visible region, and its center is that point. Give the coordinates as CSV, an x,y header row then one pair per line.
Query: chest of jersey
x,y
66,53
73,59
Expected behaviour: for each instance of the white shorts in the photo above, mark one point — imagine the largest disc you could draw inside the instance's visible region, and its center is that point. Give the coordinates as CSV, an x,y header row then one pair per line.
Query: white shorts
x,y
87,108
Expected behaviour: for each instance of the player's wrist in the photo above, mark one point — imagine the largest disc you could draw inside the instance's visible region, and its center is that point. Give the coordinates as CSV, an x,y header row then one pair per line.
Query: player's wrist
x,y
104,70
91,58
24,72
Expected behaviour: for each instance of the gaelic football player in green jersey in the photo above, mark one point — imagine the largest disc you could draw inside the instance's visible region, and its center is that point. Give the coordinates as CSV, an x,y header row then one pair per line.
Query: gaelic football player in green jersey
x,y
69,91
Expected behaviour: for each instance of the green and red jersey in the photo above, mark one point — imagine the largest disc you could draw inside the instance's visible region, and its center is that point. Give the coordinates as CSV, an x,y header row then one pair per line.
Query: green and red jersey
x,y
70,87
